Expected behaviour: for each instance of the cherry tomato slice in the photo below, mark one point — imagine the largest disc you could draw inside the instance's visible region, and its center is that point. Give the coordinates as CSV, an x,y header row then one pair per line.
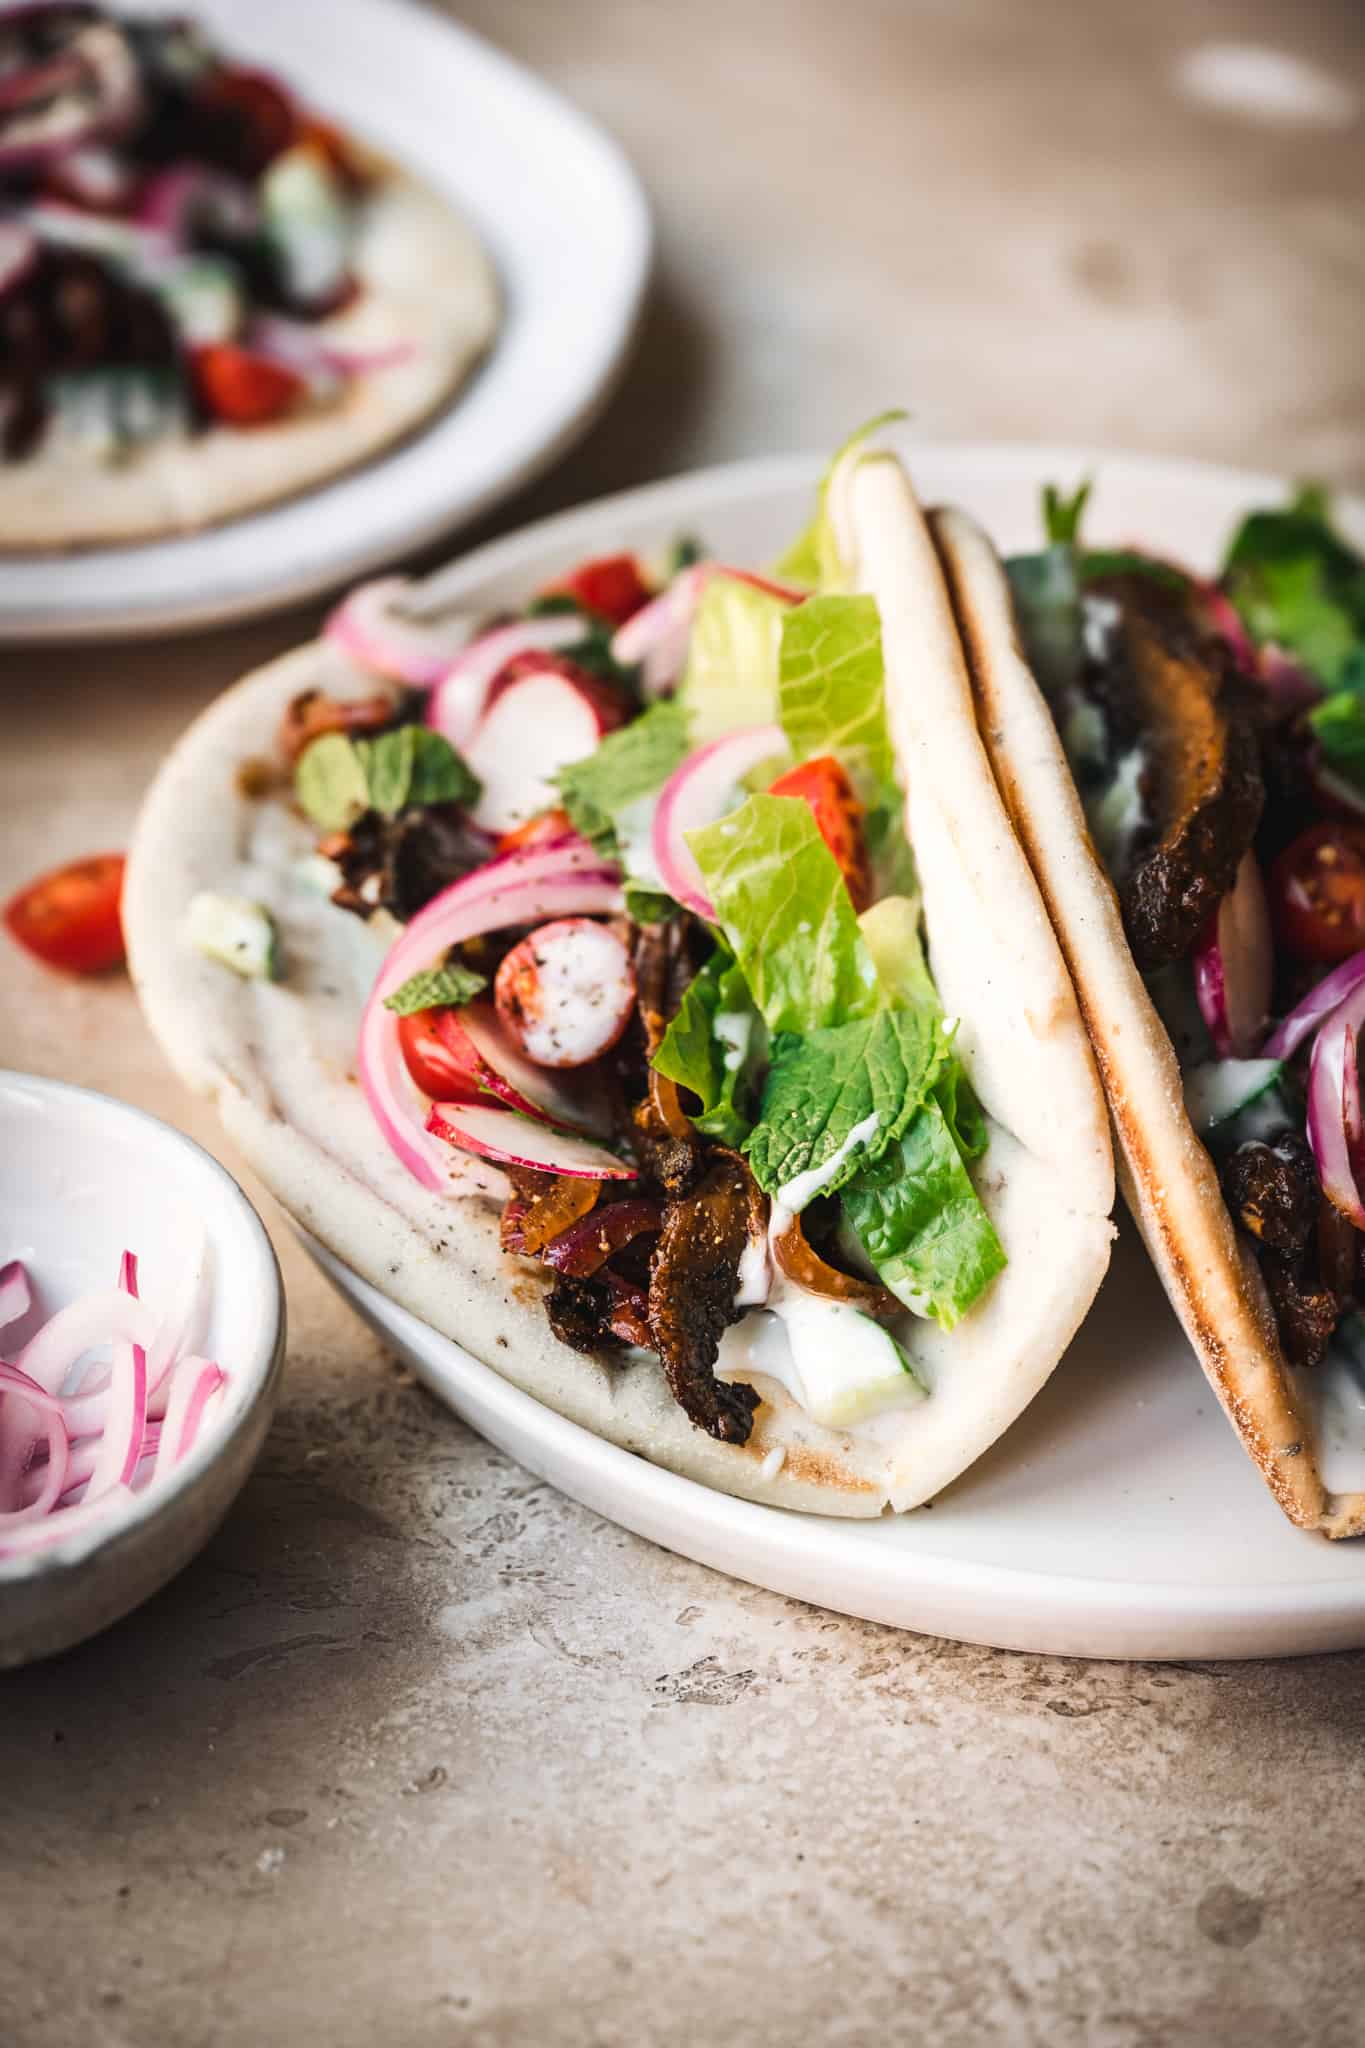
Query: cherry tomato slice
x,y
70,918
823,784
545,827
244,389
430,1062
610,585
1317,893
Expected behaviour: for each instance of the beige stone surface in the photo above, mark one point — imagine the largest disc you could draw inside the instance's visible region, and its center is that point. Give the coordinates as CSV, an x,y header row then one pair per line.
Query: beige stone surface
x,y
419,1752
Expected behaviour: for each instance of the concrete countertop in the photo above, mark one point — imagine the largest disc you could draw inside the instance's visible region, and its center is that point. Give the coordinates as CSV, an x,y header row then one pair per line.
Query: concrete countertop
x,y
419,1752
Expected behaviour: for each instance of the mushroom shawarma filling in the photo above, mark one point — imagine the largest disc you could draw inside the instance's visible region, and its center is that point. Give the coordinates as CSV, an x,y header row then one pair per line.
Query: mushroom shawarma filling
x,y
659,957
1216,731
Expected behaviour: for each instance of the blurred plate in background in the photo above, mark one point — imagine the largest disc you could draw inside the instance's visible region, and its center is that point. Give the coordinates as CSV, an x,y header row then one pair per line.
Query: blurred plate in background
x,y
567,225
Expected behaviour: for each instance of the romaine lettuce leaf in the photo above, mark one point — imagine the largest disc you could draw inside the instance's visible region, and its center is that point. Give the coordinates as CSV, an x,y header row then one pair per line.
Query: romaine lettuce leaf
x,y
891,933
835,1099
633,762
830,689
813,557
731,674
714,1046
918,1216
783,905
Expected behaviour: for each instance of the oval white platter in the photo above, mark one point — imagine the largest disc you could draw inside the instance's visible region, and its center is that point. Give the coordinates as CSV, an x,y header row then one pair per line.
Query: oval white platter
x,y
1119,1517
566,222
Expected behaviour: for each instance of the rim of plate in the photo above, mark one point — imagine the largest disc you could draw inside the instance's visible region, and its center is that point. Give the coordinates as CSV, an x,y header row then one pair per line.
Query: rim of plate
x,y
544,381
1088,1616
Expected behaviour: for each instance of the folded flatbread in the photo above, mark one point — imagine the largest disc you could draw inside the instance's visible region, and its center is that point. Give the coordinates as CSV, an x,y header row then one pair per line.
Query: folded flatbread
x,y
278,1059
1167,1176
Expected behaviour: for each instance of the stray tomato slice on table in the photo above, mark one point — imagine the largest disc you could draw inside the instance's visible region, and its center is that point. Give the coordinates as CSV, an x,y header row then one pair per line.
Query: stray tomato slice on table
x,y
1317,893
430,1062
244,389
823,784
610,585
70,918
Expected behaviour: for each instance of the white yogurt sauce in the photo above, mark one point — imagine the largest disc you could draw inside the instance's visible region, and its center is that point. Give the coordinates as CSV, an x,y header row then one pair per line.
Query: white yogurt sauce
x,y
804,1187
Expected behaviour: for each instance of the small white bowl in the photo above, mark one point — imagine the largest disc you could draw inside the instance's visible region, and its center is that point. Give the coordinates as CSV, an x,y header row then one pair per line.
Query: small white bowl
x,y
82,1177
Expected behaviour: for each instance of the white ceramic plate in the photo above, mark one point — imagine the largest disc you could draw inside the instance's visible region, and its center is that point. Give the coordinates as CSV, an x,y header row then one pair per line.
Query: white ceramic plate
x,y
82,1177
568,227
1119,1518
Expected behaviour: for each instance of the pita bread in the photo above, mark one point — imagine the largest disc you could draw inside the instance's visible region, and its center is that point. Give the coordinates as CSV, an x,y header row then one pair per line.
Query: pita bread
x,y
426,281
278,1060
1167,1177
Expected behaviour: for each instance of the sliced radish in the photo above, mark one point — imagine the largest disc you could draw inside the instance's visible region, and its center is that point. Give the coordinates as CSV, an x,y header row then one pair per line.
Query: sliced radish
x,y
485,1054
704,788
186,197
501,1135
370,627
94,178
460,695
516,889
1234,966
566,992
535,728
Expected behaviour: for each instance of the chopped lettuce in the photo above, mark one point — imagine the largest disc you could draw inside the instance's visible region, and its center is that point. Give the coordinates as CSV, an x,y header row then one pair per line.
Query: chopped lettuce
x,y
732,653
830,689
891,934
1296,582
836,1099
814,558
918,1216
714,1046
782,903
633,762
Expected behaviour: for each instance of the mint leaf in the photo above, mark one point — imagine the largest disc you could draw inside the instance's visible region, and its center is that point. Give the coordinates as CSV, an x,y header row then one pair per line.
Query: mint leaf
x,y
1295,581
413,765
823,1087
330,784
436,988
645,905
830,689
782,904
918,1216
338,778
713,1045
1339,721
633,762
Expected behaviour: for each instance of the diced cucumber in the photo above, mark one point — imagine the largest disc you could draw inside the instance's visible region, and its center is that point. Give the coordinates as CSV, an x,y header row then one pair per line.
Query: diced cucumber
x,y
204,297
308,224
1231,1102
237,932
844,1367
109,412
